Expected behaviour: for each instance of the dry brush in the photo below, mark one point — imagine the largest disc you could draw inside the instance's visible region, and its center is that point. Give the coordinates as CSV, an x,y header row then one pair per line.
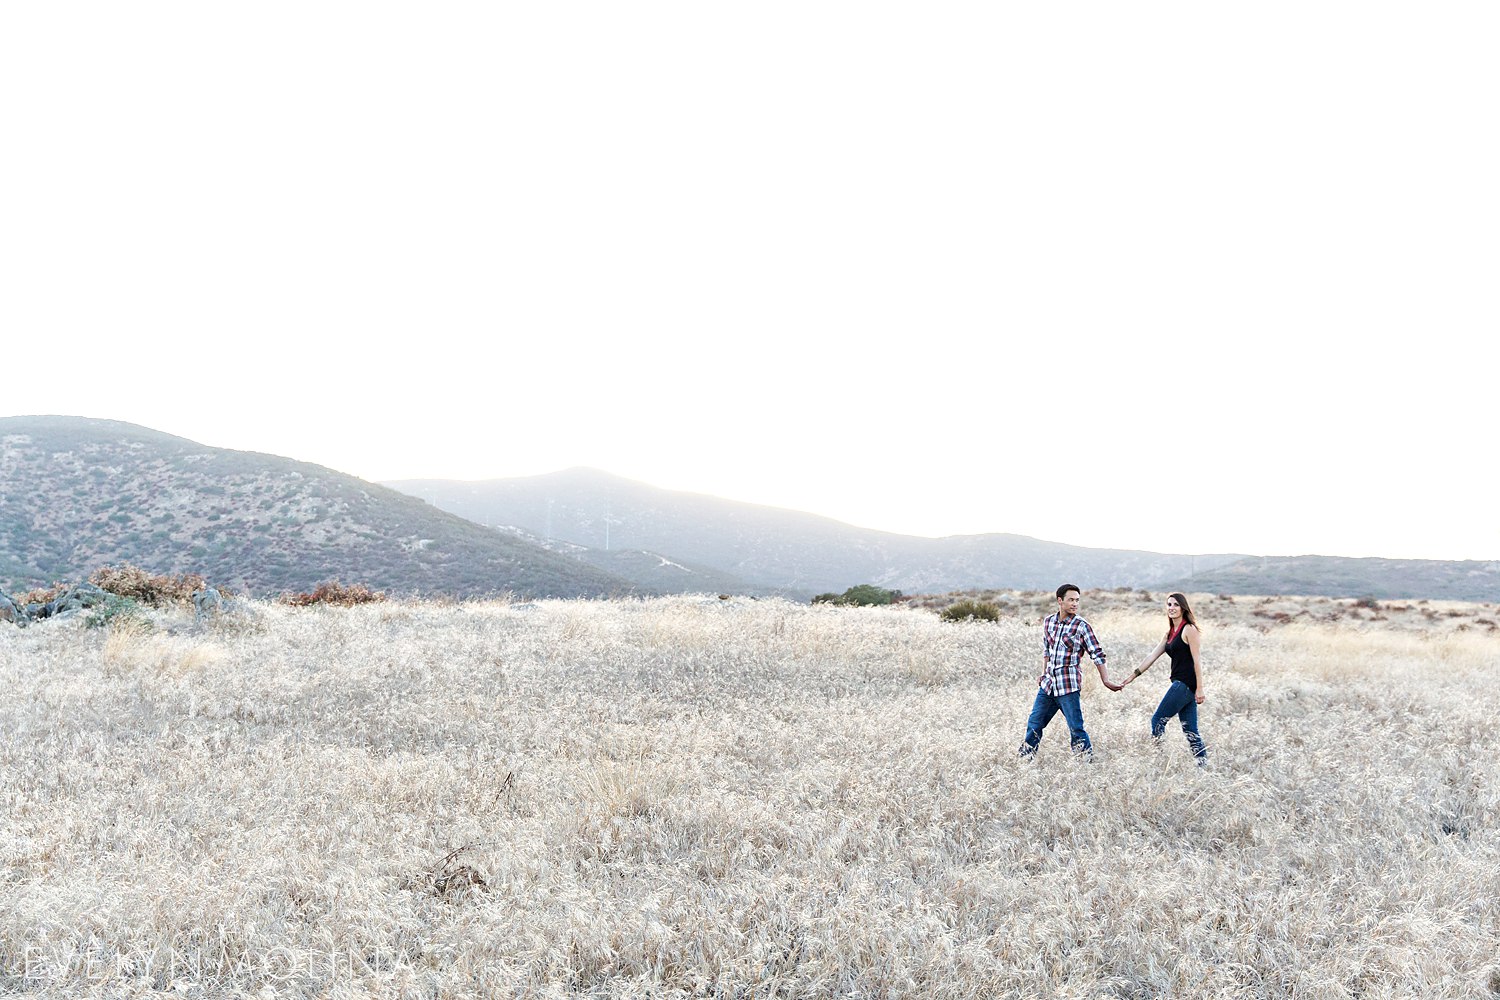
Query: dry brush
x,y
695,798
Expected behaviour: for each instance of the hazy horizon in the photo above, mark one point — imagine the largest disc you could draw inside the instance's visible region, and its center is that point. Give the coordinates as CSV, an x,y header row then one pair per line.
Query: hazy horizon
x,y
1156,276
873,527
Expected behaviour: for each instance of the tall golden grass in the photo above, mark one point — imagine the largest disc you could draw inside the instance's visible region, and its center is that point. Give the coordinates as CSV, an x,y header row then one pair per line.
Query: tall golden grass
x,y
695,798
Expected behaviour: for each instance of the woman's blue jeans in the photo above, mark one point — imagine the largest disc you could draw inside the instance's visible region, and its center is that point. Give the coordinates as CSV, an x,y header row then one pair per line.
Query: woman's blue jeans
x,y
1179,701
1042,711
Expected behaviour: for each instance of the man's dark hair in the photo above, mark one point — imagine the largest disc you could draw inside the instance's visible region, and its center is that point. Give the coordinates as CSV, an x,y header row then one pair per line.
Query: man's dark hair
x,y
1061,591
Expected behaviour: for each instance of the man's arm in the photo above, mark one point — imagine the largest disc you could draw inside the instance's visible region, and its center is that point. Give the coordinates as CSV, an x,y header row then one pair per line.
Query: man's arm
x,y
1046,653
1104,677
1096,653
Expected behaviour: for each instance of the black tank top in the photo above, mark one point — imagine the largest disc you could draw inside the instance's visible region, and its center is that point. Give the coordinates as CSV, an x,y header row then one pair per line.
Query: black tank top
x,y
1182,661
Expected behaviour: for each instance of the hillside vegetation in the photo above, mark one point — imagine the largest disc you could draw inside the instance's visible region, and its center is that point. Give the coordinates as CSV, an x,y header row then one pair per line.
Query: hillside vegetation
x,y
687,797
653,573
76,494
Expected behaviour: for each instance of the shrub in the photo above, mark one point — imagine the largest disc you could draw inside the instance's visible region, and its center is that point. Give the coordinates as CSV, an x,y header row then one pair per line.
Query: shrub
x,y
863,595
41,595
337,593
1369,603
867,594
970,610
155,591
115,610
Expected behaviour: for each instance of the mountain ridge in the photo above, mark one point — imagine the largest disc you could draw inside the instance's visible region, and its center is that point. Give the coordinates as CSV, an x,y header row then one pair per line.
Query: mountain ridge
x,y
779,548
795,551
77,492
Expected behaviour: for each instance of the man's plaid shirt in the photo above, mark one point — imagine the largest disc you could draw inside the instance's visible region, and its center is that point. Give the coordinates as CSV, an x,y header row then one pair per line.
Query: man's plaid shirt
x,y
1063,644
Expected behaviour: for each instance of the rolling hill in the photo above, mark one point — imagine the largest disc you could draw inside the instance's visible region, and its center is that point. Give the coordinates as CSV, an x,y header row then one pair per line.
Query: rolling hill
x,y
77,493
785,550
799,554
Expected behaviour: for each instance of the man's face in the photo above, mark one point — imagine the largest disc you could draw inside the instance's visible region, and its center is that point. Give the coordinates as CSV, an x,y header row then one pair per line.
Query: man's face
x,y
1067,604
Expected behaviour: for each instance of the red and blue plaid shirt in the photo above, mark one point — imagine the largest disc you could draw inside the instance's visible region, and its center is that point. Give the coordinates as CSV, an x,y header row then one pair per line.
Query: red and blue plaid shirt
x,y
1063,644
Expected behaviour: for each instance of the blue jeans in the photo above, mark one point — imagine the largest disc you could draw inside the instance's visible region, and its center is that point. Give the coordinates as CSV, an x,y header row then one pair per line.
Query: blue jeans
x,y
1042,711
1179,701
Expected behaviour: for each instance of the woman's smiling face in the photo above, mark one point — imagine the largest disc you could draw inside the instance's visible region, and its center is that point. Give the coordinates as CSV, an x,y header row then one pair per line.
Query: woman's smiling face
x,y
1174,610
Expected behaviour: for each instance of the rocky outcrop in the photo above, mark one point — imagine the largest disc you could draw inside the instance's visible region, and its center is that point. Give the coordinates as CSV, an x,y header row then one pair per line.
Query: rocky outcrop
x,y
12,612
207,602
76,598
79,597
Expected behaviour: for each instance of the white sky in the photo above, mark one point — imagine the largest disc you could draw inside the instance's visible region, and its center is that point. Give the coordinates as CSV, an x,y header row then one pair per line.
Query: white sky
x,y
1190,277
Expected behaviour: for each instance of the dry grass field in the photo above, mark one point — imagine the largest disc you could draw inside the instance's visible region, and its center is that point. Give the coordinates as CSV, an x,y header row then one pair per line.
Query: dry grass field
x,y
688,797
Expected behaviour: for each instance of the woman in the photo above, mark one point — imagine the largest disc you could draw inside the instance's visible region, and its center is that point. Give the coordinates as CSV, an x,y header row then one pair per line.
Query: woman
x,y
1186,692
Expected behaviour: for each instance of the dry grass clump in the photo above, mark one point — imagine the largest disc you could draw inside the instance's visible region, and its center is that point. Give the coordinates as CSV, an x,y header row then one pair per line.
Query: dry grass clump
x,y
448,877
335,593
155,590
686,797
131,648
970,610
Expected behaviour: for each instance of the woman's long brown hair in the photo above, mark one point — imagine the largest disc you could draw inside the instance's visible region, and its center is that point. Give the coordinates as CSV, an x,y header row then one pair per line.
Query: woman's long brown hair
x,y
1187,613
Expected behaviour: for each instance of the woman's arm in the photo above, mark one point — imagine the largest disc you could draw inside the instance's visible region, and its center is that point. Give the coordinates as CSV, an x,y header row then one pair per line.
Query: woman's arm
x,y
1191,637
1151,657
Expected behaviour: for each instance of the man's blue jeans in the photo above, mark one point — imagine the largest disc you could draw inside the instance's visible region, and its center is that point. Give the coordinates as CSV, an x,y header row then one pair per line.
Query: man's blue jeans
x,y
1042,711
1180,701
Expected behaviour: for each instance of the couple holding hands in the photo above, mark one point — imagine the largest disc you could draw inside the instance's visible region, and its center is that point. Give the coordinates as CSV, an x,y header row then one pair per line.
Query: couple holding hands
x,y
1066,637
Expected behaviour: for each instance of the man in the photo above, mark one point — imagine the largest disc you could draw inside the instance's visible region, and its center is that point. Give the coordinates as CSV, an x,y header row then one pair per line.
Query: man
x,y
1065,638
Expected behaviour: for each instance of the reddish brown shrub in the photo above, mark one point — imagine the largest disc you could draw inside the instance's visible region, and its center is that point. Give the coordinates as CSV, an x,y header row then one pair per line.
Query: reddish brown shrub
x,y
156,590
41,595
337,593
